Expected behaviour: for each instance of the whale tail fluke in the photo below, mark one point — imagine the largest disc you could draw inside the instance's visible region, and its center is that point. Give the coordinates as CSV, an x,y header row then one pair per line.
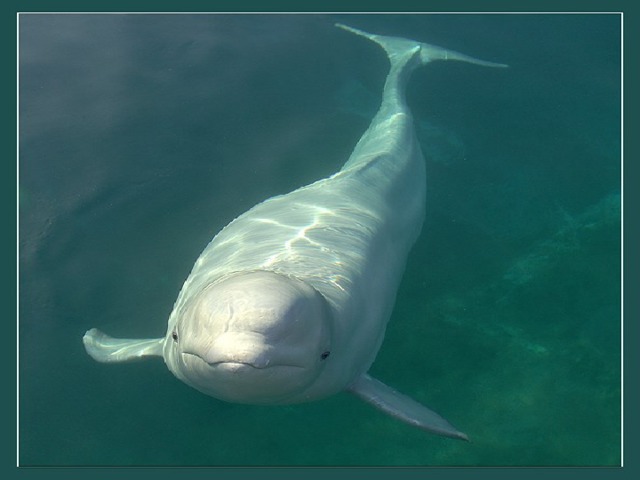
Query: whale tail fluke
x,y
397,47
106,349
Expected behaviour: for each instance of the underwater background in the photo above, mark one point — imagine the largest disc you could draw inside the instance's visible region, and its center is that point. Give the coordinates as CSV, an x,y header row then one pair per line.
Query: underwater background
x,y
141,136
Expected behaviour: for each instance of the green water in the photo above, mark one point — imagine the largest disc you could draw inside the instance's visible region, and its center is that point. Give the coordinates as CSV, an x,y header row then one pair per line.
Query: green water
x,y
142,136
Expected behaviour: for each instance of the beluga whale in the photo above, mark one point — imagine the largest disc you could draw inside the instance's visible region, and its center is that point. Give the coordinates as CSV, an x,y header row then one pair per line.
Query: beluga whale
x,y
289,302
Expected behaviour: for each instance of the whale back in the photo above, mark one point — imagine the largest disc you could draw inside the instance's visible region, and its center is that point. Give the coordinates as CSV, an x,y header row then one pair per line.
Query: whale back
x,y
347,236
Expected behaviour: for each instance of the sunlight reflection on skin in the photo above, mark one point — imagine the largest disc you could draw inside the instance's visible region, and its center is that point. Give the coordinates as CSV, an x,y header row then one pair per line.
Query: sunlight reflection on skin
x,y
310,226
301,235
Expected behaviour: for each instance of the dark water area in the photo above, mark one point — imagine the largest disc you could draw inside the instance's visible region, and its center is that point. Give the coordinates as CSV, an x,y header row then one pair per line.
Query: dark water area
x,y
141,136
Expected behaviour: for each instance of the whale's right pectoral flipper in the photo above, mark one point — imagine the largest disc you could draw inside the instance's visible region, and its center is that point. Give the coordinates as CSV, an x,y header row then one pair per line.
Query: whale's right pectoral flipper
x,y
402,407
104,348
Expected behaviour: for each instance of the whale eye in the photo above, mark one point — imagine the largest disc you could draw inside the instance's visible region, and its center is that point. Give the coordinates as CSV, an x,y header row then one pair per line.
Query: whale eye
x,y
174,335
324,355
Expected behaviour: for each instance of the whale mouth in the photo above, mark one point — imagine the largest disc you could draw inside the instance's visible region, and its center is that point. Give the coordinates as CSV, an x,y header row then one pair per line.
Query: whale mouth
x,y
235,365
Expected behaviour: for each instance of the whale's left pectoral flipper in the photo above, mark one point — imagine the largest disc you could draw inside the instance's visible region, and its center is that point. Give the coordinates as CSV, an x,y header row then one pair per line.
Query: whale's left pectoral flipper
x,y
402,407
106,349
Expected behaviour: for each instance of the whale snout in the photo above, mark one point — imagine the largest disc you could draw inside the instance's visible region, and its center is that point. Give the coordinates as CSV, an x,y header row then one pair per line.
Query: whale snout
x,y
234,347
246,348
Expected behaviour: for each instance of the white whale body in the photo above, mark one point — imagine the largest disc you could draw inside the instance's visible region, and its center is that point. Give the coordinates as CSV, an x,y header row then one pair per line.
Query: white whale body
x,y
290,301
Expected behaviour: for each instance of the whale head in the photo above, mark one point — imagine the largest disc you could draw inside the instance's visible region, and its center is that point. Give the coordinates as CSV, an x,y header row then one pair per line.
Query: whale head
x,y
256,337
